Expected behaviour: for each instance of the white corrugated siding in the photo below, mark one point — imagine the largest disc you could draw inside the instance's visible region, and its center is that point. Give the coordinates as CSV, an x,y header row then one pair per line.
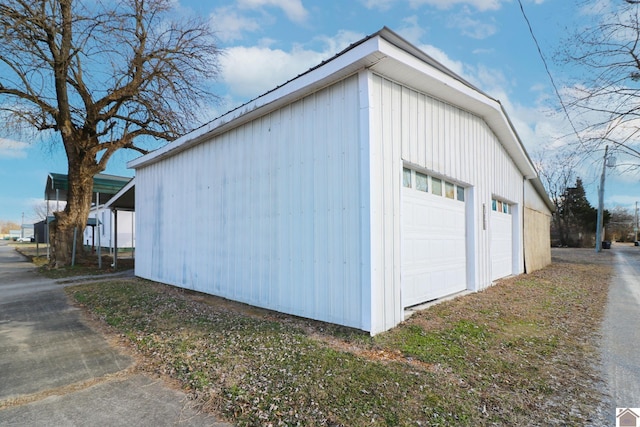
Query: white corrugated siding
x,y
299,210
408,126
268,213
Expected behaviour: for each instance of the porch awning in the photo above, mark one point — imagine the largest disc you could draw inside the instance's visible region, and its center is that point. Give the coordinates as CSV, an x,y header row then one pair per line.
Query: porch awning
x,y
104,185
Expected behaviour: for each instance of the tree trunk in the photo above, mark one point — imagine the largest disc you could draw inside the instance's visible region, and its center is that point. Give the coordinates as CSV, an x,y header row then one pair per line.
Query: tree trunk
x,y
74,215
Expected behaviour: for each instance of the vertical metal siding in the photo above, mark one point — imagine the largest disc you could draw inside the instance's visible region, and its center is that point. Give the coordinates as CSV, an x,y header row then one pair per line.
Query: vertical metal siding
x,y
268,213
413,127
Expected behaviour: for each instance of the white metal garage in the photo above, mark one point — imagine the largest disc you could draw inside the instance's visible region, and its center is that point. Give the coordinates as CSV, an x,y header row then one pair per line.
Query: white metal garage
x,y
433,238
344,195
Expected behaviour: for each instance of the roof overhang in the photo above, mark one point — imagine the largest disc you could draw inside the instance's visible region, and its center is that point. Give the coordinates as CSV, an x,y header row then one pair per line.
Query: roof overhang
x,y
383,53
104,185
539,187
125,199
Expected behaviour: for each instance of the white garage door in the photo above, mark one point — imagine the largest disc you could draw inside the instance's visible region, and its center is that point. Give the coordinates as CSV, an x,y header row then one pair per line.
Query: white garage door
x,y
501,240
433,239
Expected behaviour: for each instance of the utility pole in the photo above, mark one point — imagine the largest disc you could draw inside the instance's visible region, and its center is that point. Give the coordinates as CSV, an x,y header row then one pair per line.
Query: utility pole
x,y
635,225
601,203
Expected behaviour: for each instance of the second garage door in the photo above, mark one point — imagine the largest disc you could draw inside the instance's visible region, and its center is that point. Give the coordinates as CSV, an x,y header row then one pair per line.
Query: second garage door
x,y
501,239
433,238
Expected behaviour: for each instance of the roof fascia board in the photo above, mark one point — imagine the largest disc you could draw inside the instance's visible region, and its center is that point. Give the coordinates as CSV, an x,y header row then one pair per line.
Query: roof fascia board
x,y
399,64
387,54
120,193
436,82
542,192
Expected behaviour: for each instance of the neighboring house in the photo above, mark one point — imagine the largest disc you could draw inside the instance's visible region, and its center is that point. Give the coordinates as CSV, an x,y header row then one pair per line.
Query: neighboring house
x,y
104,188
27,230
101,230
373,182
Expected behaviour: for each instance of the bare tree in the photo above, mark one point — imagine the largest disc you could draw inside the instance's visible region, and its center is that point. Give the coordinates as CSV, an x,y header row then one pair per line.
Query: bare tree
x,y
621,226
41,210
6,226
102,76
557,175
604,98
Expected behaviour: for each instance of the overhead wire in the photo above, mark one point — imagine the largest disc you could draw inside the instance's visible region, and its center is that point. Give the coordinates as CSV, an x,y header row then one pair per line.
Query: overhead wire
x,y
548,71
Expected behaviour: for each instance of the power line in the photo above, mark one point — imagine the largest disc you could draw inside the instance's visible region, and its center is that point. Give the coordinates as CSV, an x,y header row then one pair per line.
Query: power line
x,y
553,83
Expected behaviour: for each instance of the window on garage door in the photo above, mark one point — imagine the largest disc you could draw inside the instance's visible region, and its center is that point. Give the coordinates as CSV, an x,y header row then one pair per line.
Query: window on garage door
x,y
423,182
500,206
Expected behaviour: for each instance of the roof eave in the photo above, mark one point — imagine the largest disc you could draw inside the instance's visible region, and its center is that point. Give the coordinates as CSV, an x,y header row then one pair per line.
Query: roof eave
x,y
115,201
361,55
387,54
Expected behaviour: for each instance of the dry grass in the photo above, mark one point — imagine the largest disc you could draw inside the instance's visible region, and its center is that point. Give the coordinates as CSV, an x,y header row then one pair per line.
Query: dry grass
x,y
85,266
518,353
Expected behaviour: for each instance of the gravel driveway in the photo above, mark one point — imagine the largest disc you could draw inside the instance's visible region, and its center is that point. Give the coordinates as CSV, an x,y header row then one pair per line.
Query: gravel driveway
x,y
620,331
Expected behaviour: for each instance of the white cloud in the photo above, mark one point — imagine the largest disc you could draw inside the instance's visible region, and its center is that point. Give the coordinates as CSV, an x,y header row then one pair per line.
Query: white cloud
x,y
412,30
474,28
294,9
339,42
250,71
595,8
622,200
230,26
378,4
10,149
481,5
439,55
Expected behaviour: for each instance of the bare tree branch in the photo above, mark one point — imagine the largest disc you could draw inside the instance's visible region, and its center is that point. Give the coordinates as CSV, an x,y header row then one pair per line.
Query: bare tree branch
x,y
605,97
103,75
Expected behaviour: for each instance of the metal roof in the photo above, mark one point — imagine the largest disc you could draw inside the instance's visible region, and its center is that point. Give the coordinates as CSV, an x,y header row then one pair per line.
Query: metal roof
x,y
387,54
105,185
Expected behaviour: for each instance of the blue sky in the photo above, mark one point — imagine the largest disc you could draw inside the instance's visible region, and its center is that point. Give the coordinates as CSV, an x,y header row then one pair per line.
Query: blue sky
x,y
267,42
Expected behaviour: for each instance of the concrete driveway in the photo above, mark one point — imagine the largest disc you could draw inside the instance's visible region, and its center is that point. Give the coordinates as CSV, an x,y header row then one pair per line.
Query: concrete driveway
x,y
55,370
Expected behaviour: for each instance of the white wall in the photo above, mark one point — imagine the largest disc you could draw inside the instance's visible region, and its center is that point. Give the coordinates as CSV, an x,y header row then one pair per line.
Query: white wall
x,y
428,134
299,210
126,229
268,213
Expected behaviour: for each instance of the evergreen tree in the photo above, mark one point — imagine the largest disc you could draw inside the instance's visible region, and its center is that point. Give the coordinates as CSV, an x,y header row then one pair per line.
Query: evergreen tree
x,y
575,218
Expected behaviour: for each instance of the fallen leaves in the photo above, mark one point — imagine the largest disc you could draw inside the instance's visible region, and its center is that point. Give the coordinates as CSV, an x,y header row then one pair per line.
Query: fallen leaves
x,y
520,352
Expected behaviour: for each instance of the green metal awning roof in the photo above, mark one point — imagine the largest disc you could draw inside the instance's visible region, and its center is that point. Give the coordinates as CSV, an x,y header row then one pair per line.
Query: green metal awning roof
x,y
104,185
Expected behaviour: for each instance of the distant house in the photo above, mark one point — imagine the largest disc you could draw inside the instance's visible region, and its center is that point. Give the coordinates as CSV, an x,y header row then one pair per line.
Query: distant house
x,y
101,229
40,230
375,181
26,230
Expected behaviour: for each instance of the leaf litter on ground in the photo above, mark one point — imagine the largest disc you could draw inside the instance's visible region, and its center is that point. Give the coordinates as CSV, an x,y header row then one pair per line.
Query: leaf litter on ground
x,y
520,352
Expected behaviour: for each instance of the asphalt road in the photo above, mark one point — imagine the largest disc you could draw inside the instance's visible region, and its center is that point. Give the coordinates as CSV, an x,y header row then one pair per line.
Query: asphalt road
x,y
55,370
621,331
